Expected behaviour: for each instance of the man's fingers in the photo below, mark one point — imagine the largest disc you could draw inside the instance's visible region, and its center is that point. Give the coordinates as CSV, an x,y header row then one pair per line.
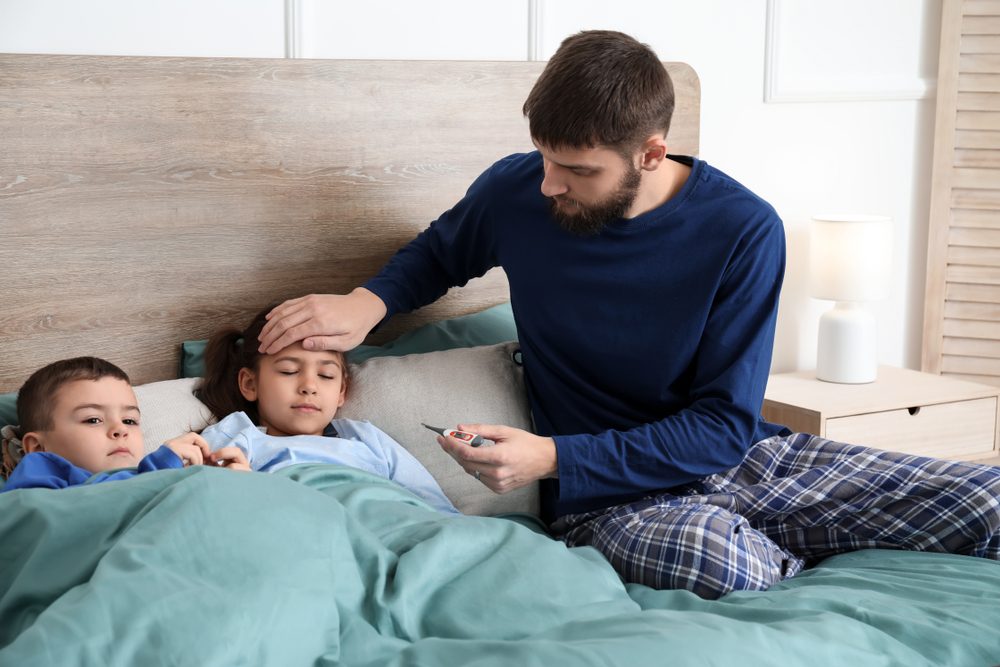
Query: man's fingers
x,y
336,343
493,432
465,455
291,334
277,314
283,307
280,329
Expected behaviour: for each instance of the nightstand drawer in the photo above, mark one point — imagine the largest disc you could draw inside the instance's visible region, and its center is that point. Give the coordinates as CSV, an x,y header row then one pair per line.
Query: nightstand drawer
x,y
963,429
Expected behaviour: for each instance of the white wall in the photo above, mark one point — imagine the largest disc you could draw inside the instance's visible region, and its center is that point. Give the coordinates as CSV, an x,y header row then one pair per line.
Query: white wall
x,y
816,105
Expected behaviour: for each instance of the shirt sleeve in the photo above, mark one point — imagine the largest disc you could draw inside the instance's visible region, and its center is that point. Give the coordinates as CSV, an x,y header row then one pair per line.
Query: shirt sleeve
x,y
714,431
407,471
163,458
44,470
455,248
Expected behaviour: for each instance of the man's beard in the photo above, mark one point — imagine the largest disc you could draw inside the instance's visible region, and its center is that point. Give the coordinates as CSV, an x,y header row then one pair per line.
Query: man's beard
x,y
590,220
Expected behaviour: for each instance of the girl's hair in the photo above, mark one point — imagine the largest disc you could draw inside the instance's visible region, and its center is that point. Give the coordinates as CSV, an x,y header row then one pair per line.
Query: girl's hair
x,y
228,351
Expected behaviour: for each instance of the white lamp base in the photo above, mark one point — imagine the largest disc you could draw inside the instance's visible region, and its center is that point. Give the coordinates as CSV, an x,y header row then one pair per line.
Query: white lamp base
x,y
848,346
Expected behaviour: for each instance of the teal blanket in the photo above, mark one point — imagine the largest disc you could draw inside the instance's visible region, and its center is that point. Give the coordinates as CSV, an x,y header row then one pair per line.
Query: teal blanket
x,y
327,565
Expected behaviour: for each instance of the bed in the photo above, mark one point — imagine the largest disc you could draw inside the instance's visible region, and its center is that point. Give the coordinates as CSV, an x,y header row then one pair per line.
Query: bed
x,y
144,202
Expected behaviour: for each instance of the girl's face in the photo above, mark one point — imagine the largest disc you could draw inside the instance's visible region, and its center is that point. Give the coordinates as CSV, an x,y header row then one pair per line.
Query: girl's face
x,y
297,391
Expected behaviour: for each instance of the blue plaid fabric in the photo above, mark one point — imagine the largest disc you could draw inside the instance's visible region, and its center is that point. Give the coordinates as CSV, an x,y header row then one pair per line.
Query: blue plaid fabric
x,y
794,500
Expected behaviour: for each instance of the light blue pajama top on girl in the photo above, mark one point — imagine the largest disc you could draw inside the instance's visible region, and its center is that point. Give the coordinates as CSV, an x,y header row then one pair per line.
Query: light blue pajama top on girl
x,y
347,442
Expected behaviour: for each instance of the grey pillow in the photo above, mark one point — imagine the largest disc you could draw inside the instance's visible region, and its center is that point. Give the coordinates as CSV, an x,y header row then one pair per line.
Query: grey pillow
x,y
475,384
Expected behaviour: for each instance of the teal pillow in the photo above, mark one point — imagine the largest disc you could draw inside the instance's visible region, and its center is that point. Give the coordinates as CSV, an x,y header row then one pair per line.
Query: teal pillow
x,y
488,327
8,408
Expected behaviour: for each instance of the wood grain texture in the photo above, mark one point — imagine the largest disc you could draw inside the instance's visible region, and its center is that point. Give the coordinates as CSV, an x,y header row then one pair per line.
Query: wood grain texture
x,y
962,304
147,201
903,410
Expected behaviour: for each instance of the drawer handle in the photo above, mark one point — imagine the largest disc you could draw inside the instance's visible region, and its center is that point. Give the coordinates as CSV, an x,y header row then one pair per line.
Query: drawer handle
x,y
914,411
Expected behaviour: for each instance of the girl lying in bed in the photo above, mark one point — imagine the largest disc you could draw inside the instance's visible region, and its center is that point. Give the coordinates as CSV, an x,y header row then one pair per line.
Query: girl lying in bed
x,y
279,410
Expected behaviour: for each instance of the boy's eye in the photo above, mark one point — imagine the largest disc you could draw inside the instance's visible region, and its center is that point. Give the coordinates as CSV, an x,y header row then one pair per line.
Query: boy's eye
x,y
131,422
92,420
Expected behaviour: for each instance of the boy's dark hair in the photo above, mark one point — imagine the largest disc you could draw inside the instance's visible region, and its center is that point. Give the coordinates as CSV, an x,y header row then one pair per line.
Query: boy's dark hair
x,y
227,351
601,88
35,398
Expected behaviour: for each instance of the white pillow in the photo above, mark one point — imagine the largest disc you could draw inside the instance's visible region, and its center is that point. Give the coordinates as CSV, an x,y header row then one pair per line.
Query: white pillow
x,y
474,384
168,409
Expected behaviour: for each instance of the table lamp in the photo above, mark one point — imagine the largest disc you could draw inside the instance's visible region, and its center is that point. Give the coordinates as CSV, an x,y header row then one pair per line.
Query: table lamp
x,y
850,261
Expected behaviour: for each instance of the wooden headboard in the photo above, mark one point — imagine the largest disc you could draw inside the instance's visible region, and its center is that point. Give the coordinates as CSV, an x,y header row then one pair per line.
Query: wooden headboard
x,y
147,201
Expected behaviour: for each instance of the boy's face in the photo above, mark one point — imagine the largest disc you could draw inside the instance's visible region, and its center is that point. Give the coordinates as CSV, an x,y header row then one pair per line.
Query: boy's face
x,y
95,425
297,391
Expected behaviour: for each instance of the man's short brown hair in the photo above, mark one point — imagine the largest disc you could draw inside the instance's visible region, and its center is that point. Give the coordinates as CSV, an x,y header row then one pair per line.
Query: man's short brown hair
x,y
601,88
37,396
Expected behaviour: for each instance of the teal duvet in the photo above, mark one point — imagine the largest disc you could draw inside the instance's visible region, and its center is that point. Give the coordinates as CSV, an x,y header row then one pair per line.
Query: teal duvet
x,y
327,565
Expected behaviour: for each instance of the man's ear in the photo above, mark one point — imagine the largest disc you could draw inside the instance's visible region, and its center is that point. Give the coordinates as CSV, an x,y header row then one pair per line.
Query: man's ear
x,y
32,442
247,381
654,152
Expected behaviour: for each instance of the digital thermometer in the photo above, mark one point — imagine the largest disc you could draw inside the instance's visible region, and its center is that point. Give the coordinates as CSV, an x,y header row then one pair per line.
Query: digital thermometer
x,y
471,438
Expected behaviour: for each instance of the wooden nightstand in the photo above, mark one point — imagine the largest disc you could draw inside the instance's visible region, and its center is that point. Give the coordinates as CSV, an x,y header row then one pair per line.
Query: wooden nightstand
x,y
903,411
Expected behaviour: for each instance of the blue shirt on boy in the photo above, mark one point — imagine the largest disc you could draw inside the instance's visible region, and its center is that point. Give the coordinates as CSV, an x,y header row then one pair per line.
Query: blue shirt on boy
x,y
46,470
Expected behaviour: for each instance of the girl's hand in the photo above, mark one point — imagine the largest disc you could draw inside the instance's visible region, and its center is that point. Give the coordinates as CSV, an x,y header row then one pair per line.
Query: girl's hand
x,y
230,457
191,448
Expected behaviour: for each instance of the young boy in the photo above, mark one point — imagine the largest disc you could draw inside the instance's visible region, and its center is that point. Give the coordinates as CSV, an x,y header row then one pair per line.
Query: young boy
x,y
79,420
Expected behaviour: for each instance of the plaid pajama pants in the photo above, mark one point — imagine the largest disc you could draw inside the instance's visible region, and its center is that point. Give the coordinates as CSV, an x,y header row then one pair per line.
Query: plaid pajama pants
x,y
794,500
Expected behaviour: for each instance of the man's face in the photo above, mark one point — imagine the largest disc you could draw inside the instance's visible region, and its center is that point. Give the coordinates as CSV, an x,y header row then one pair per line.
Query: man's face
x,y
298,391
588,187
95,425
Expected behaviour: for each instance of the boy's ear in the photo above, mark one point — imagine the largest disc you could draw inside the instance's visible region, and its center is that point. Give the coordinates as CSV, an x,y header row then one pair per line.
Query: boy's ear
x,y
247,381
32,442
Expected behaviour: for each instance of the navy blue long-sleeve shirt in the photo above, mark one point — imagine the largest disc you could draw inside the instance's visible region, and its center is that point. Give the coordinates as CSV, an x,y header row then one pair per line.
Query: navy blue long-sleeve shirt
x,y
646,347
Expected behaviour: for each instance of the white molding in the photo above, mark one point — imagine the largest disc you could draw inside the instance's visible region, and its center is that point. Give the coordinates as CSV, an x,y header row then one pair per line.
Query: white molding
x,y
535,12
860,89
293,28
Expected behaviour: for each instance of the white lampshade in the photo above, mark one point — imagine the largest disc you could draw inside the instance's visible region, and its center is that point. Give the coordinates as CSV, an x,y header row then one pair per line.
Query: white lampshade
x,y
850,257
850,262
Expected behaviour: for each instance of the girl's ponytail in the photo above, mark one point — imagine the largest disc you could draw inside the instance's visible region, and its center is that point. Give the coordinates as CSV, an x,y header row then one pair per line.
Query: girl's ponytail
x,y
219,389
